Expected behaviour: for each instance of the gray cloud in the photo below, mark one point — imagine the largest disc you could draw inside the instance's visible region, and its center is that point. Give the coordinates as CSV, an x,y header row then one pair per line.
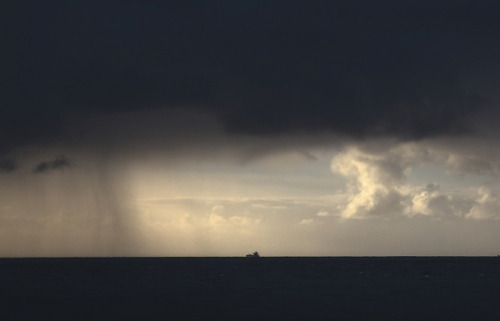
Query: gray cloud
x,y
7,165
60,162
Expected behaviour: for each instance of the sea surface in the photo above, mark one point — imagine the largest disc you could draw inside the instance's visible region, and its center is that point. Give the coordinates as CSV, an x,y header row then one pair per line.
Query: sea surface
x,y
266,288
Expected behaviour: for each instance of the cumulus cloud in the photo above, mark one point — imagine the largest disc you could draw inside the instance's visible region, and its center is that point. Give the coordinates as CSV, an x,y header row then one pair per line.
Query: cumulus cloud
x,y
431,201
374,181
486,205
378,183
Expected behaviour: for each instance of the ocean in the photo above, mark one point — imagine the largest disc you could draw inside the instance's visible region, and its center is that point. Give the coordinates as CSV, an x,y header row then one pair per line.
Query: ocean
x,y
240,288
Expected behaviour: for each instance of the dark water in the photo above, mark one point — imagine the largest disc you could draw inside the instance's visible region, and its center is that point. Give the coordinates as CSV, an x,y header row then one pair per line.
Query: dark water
x,y
281,288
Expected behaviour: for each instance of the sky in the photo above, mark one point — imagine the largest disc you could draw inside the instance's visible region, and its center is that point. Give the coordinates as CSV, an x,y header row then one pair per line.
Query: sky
x,y
217,128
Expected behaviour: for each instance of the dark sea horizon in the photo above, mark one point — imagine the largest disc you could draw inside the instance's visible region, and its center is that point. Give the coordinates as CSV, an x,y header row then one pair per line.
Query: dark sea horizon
x,y
241,288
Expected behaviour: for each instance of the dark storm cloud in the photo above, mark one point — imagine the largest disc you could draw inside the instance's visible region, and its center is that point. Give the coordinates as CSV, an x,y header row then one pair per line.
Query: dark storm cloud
x,y
58,163
262,67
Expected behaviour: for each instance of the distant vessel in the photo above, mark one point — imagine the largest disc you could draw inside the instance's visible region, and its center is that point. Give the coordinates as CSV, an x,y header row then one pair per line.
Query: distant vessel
x,y
255,254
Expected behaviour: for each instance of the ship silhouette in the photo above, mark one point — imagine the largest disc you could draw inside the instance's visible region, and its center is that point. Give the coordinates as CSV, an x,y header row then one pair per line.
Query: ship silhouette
x,y
255,254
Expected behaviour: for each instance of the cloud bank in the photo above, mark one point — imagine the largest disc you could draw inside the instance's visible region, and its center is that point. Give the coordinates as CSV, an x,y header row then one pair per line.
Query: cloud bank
x,y
344,113
354,68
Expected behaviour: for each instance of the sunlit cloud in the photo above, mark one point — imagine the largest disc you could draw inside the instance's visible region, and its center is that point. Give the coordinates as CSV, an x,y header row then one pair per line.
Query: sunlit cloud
x,y
306,221
323,213
486,205
379,183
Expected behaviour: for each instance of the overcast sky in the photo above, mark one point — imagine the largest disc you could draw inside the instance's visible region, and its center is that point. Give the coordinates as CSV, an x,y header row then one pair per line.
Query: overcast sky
x,y
201,128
